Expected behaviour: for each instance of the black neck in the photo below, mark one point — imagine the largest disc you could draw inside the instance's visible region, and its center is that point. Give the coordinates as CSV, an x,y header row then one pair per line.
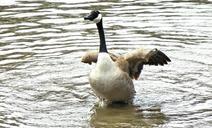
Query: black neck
x,y
103,47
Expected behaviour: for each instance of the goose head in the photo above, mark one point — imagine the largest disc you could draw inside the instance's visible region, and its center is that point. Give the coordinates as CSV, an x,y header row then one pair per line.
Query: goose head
x,y
94,16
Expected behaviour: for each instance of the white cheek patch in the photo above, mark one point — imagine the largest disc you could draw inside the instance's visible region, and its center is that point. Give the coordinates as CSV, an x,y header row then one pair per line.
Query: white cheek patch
x,y
98,18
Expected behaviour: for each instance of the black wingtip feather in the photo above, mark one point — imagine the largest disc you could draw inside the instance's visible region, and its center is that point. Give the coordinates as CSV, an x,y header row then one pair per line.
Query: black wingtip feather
x,y
164,55
158,58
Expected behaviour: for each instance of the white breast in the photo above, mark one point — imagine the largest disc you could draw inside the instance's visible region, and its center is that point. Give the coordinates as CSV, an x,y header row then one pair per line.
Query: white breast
x,y
105,68
107,80
104,62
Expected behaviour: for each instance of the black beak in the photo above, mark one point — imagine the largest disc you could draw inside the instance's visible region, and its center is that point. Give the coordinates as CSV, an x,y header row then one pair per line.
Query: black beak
x,y
88,17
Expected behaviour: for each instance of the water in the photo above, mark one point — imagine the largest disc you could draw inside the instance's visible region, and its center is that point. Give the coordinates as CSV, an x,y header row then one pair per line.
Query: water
x,y
44,84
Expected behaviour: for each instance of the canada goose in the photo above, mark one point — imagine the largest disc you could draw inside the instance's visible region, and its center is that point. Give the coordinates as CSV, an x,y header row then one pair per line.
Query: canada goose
x,y
111,79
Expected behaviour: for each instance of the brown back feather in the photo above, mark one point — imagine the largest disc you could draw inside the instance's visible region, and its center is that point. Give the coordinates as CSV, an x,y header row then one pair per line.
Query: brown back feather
x,y
91,57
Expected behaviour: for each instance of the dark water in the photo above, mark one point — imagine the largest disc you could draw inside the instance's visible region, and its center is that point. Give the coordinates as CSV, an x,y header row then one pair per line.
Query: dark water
x,y
44,84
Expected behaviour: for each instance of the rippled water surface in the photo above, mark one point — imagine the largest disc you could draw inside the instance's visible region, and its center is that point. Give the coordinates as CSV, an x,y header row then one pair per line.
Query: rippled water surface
x,y
44,84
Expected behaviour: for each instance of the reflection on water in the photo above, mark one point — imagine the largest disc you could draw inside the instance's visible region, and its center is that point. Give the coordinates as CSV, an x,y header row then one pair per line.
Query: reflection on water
x,y
44,84
126,116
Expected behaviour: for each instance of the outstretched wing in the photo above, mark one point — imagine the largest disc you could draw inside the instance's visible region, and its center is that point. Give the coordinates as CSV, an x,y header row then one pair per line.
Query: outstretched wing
x,y
92,56
140,57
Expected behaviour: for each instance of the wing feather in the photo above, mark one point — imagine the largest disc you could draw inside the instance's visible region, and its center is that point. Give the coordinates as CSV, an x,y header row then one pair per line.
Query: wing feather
x,y
140,57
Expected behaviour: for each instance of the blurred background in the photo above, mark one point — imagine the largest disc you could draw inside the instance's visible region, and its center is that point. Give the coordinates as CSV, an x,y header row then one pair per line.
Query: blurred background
x,y
44,84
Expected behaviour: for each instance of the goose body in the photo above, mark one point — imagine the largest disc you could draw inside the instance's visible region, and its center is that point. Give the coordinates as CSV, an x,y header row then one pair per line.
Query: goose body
x,y
109,82
111,79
